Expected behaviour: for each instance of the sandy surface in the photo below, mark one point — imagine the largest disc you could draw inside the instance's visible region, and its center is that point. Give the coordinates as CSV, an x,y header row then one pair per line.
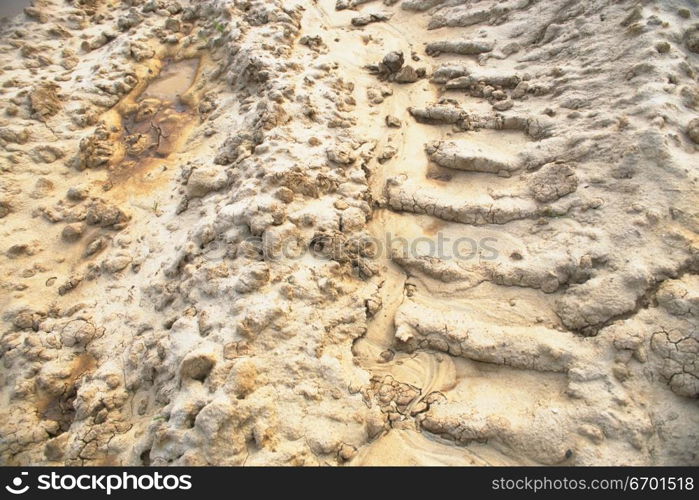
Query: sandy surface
x,y
434,232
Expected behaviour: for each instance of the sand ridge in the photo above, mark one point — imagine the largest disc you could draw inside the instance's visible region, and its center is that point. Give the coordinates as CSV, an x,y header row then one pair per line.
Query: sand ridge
x,y
187,191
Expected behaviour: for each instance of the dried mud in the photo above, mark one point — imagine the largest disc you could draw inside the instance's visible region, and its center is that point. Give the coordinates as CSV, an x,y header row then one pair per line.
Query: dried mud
x,y
183,185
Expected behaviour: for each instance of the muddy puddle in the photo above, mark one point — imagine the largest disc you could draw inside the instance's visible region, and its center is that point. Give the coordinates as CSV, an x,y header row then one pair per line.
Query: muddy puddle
x,y
174,81
159,120
12,8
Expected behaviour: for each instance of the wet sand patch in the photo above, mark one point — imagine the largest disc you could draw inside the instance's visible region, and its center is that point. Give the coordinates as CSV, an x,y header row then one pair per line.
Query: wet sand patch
x,y
156,124
12,8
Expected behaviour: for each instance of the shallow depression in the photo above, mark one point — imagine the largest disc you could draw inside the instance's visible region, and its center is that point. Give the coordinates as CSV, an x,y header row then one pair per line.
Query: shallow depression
x,y
174,80
154,126
161,116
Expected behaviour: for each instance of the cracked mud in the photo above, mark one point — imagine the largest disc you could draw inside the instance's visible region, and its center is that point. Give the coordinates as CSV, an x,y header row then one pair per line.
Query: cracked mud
x,y
182,184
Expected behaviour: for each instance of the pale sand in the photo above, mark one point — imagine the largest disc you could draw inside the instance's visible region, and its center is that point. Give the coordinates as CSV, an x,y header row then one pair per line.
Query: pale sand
x,y
158,157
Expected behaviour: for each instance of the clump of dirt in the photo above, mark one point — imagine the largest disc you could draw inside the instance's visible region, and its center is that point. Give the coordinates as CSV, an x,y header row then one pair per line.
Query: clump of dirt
x,y
59,408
